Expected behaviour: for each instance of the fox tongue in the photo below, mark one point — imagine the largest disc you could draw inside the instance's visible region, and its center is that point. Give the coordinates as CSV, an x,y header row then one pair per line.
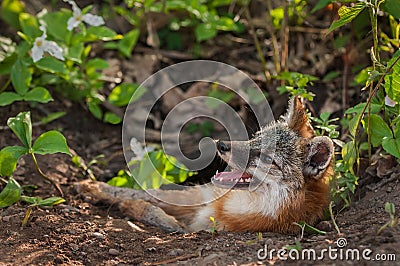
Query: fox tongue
x,y
234,178
229,176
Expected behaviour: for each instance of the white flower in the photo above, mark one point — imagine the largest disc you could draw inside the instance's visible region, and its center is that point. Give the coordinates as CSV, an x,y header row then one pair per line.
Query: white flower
x,y
389,101
77,17
138,150
41,45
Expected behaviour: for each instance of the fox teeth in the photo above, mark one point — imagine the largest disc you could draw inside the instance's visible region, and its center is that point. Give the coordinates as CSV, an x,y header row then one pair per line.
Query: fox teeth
x,y
241,180
247,180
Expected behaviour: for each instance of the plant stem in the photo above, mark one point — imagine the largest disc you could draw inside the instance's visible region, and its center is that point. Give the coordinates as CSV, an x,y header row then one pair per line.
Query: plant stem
x,y
333,217
271,30
46,177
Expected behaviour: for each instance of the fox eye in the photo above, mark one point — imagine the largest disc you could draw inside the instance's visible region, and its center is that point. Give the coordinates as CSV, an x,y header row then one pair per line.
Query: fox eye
x,y
265,158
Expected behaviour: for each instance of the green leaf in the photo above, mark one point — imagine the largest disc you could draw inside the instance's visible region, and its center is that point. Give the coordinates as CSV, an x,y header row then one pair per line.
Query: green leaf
x,y
75,52
125,93
7,98
9,157
51,142
7,63
392,81
56,24
51,117
375,108
51,65
126,44
101,33
205,31
52,201
311,229
10,194
10,11
347,14
353,123
349,155
95,64
38,94
21,77
29,25
379,129
21,125
95,109
392,7
321,4
392,146
112,118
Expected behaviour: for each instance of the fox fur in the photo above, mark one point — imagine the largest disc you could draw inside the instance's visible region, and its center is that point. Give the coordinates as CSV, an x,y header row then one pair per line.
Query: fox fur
x,y
294,185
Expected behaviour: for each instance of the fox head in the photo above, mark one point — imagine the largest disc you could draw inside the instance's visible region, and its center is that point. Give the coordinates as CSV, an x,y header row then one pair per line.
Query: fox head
x,y
284,154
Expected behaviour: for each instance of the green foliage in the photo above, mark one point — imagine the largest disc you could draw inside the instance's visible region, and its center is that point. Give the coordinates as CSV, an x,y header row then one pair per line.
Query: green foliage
x,y
10,194
205,128
296,83
153,170
69,70
202,17
393,220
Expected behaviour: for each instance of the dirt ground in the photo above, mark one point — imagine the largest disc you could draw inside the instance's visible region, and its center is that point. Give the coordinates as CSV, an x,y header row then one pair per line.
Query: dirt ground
x,y
83,233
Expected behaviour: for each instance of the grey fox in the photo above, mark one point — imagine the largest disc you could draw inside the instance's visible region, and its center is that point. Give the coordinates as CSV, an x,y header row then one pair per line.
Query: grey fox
x,y
288,163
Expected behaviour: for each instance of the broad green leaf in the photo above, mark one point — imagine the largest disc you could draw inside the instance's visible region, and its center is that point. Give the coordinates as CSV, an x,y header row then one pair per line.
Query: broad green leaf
x,y
95,64
7,63
379,129
38,94
101,33
10,11
29,25
21,125
9,157
126,44
392,81
95,109
51,117
75,52
125,93
392,146
51,65
375,108
52,201
56,24
347,14
353,123
349,155
21,77
392,7
112,118
50,142
10,194
7,98
205,31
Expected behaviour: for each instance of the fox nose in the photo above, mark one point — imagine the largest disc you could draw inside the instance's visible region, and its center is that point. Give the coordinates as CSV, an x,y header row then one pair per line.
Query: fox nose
x,y
222,147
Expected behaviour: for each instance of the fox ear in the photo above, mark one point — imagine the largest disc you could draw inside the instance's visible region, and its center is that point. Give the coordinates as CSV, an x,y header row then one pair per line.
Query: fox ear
x,y
297,119
319,157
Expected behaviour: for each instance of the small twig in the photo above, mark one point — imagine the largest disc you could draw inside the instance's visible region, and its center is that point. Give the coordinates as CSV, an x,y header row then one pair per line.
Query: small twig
x,y
57,186
333,218
183,257
274,40
4,87
285,38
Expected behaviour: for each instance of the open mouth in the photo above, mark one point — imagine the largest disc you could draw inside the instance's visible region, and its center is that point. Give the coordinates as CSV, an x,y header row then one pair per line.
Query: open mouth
x,y
232,179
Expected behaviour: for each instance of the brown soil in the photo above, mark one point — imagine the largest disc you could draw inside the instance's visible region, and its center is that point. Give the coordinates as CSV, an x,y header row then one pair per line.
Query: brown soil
x,y
78,232
81,233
